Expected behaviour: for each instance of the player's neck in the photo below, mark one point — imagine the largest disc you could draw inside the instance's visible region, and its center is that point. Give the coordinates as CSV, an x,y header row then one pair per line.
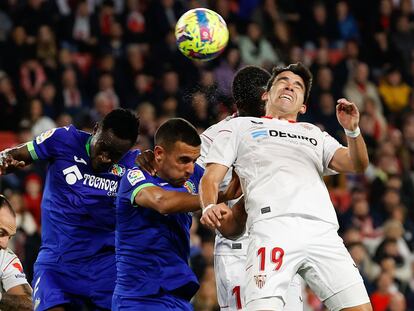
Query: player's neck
x,y
280,116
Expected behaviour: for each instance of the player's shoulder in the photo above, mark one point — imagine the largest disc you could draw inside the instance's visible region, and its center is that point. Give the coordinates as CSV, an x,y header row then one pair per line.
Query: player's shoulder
x,y
308,126
214,129
135,176
6,256
128,160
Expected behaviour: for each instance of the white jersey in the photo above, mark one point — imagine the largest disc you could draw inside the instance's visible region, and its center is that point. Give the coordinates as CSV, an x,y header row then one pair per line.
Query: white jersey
x,y
223,246
11,273
280,164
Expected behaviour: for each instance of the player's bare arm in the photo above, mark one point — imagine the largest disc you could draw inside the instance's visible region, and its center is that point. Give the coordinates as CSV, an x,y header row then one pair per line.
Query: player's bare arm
x,y
14,158
18,298
167,202
354,158
209,184
231,222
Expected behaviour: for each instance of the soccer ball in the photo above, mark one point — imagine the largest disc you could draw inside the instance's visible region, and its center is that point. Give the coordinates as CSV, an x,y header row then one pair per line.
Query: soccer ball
x,y
201,34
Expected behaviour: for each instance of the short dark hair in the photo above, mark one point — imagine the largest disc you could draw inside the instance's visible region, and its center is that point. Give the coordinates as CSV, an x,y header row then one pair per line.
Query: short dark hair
x,y
174,130
5,203
123,123
248,86
298,69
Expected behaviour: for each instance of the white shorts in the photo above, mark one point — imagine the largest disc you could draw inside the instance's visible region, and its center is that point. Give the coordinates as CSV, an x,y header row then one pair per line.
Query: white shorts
x,y
230,282
280,247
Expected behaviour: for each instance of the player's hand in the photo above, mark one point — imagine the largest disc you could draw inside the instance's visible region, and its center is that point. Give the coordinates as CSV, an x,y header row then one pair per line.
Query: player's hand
x,y
213,216
146,161
8,164
233,190
347,114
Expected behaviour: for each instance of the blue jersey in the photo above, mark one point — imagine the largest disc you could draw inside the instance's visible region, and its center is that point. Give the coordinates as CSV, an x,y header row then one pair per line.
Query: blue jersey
x,y
78,205
152,250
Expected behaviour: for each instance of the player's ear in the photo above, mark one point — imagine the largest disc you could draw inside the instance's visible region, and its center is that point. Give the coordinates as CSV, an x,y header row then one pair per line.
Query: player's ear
x,y
303,109
265,96
159,153
95,128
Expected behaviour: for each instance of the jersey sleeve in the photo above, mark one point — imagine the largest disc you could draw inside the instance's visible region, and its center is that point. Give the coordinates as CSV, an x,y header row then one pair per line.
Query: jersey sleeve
x,y
134,181
330,145
12,271
206,142
224,147
51,143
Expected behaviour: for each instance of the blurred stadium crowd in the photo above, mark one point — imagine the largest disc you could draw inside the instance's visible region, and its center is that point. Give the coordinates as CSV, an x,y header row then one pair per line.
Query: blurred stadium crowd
x,y
73,61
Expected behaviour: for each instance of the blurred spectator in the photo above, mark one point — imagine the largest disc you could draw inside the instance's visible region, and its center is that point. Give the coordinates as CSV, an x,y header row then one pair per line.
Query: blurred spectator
x,y
46,47
33,195
199,111
113,43
359,87
367,267
162,17
344,70
170,86
32,77
320,29
64,119
403,39
282,40
255,49
224,73
325,115
381,297
103,105
106,17
147,117
360,217
51,105
380,124
398,302
9,104
71,93
40,122
267,15
393,245
106,85
395,94
134,21
382,21
32,15
142,92
17,50
347,24
81,28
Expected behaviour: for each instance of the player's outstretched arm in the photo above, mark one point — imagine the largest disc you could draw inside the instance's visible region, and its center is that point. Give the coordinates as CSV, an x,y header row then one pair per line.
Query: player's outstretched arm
x,y
167,202
14,158
209,184
353,159
17,298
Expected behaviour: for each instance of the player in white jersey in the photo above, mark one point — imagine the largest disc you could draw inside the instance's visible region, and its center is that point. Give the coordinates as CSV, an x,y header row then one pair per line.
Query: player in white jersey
x,y
291,221
15,292
249,84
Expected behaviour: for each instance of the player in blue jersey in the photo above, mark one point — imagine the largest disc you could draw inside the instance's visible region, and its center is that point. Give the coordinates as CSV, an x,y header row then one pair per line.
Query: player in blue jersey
x,y
76,263
153,223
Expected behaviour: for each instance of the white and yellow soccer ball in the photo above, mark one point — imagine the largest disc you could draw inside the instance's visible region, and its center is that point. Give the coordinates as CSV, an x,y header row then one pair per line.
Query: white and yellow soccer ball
x,y
201,34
